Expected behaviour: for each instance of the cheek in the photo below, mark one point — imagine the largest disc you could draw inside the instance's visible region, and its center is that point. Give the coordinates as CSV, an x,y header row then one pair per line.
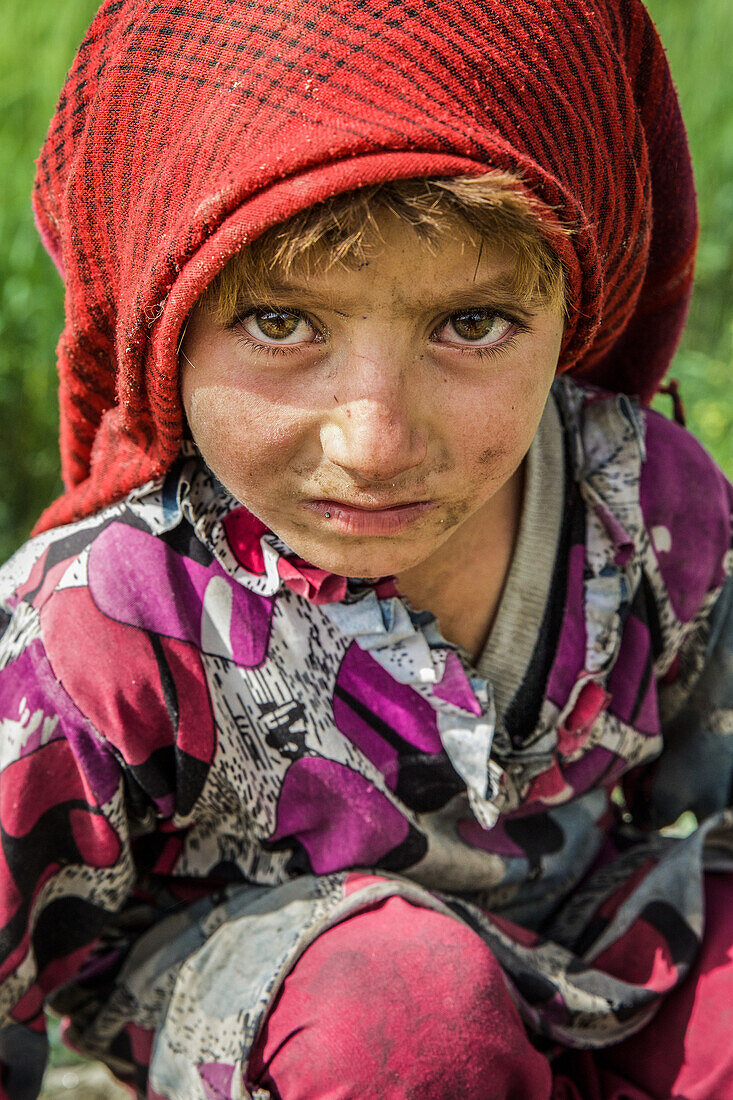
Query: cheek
x,y
498,427
502,427
240,433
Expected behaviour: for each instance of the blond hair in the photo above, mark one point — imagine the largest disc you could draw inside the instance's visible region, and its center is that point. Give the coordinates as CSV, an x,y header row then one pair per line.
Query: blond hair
x,y
340,230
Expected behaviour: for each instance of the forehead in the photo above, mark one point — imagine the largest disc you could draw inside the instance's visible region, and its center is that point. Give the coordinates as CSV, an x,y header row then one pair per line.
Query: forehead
x,y
402,265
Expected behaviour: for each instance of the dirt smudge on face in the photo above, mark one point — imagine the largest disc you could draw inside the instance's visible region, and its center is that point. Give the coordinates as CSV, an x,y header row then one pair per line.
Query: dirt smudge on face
x,y
489,455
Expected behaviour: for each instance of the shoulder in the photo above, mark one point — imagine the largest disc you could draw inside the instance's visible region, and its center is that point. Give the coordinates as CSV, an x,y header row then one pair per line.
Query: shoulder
x,y
101,632
686,502
117,556
47,568
73,600
44,727
660,485
156,567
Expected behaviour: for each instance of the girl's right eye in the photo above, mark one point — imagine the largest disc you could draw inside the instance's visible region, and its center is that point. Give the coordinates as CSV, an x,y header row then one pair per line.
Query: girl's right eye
x,y
277,327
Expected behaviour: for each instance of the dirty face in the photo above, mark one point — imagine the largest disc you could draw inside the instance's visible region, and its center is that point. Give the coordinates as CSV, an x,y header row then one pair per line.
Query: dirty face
x,y
371,417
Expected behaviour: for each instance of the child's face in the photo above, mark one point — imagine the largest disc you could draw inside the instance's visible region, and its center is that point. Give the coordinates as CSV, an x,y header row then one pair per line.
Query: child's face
x,y
367,415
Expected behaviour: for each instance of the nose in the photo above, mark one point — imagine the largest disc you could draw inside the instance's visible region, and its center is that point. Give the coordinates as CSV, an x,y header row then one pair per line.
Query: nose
x,y
373,433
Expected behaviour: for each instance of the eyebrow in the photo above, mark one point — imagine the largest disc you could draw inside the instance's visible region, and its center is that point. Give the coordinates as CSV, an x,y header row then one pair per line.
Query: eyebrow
x,y
500,292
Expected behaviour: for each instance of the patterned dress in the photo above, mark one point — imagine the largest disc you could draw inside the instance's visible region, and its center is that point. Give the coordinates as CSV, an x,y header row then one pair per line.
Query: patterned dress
x,y
200,734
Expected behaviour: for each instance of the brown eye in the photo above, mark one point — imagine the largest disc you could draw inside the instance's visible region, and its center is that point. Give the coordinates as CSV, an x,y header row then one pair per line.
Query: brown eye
x,y
476,326
278,327
276,324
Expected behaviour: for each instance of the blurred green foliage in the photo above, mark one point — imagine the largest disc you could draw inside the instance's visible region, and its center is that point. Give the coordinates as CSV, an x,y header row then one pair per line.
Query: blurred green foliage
x,y
699,42
36,48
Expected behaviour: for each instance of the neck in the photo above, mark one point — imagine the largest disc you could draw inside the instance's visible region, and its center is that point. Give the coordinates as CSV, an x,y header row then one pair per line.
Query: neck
x,y
462,582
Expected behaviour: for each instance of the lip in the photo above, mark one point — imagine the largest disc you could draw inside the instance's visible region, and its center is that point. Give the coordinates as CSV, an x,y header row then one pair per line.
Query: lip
x,y
352,519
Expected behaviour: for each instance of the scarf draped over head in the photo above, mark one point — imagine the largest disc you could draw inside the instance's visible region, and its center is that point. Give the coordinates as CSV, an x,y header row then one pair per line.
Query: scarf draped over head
x,y
185,129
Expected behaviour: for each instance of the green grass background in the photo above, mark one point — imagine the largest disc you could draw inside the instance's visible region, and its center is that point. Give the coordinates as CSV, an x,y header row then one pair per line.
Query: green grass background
x,y
36,48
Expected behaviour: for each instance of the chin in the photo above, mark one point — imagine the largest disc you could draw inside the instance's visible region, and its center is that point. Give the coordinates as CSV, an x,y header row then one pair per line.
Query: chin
x,y
367,562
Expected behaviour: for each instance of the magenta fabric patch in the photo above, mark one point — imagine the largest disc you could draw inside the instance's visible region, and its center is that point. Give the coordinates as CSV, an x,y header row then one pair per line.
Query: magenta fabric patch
x,y
31,693
244,533
380,716
570,658
489,840
338,816
121,556
590,769
454,687
631,683
216,1080
690,531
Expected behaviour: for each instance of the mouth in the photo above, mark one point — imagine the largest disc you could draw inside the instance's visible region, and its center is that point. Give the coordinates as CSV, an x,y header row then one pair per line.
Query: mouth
x,y
369,519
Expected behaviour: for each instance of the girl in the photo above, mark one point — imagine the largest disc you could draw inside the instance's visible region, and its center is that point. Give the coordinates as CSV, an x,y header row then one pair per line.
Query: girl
x,y
345,691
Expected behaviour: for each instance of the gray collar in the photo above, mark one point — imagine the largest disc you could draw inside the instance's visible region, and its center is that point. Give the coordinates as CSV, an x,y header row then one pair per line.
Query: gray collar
x,y
508,650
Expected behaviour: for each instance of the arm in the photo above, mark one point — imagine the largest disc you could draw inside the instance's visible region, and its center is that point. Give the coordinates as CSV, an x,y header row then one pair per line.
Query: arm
x,y
687,504
65,862
695,769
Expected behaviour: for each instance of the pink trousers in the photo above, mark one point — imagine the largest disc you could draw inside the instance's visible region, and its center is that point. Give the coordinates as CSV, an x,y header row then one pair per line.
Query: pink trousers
x,y
403,1002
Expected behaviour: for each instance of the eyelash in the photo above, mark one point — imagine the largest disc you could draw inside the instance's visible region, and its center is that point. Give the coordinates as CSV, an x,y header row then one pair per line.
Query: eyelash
x,y
492,351
488,351
267,350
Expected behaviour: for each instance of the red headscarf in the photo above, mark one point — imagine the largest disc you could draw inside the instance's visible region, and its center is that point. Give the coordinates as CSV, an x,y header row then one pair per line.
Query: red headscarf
x,y
186,129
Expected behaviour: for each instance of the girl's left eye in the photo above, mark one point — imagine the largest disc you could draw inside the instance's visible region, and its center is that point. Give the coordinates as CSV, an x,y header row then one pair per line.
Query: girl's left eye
x,y
277,327
475,328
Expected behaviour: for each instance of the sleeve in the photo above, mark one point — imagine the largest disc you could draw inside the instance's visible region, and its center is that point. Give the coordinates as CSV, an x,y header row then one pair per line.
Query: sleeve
x,y
695,770
106,738
687,506
65,857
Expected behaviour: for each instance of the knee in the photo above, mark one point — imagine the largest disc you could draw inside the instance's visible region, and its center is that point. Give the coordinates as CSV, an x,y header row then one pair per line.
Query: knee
x,y
397,994
410,960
